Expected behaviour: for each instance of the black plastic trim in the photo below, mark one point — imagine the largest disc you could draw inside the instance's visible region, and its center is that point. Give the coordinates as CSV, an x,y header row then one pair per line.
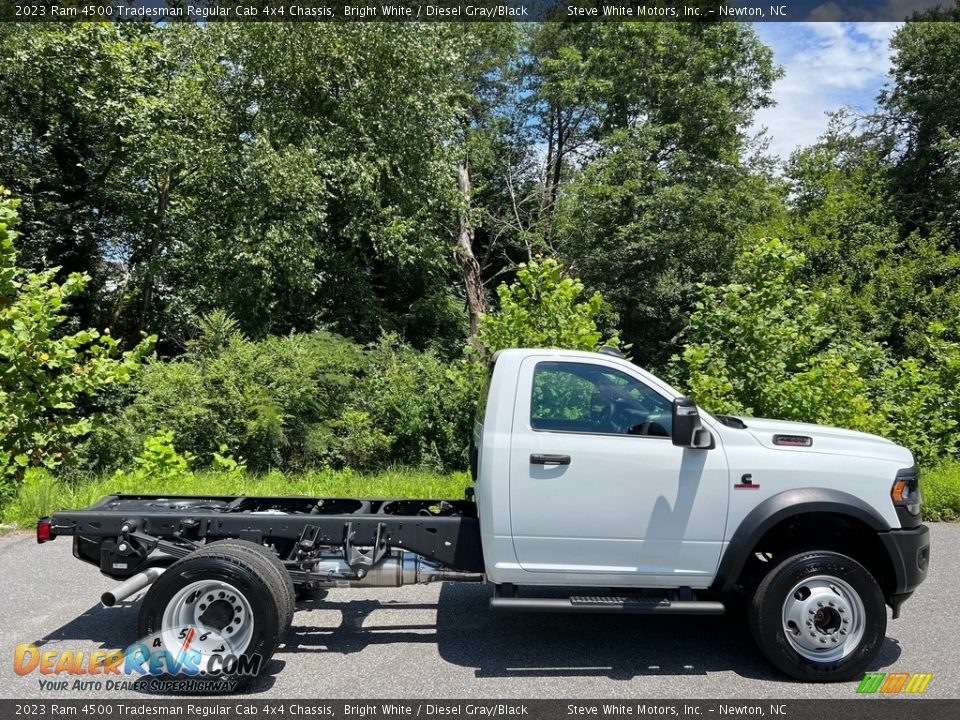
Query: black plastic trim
x,y
783,506
906,518
909,552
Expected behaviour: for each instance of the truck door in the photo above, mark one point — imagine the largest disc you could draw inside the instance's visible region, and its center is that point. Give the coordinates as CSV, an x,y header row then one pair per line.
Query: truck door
x,y
597,486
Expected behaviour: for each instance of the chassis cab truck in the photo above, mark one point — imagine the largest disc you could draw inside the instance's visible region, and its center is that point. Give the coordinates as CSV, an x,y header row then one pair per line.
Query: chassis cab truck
x,y
589,474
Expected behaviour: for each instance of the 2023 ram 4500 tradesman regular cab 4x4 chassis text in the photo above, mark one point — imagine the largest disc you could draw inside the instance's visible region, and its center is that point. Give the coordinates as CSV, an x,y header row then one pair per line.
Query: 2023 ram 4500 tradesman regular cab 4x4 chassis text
x,y
588,473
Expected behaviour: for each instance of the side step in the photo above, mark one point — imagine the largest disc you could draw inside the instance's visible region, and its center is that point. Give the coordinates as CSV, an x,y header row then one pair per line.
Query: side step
x,y
608,604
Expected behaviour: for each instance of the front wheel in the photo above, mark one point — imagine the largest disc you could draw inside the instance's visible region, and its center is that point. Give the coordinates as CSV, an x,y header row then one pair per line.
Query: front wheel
x,y
819,616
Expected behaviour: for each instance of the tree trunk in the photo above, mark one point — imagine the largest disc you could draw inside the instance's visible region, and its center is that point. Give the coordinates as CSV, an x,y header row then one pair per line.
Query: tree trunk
x,y
472,279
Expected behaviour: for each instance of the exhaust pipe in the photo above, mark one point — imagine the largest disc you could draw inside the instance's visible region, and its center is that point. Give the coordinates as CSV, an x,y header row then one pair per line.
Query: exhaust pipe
x,y
131,585
402,569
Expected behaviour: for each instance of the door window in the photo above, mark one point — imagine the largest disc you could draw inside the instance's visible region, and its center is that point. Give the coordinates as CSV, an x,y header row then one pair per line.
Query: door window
x,y
588,398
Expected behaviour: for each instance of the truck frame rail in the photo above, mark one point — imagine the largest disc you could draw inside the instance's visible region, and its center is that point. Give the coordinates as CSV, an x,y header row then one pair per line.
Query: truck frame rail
x,y
317,539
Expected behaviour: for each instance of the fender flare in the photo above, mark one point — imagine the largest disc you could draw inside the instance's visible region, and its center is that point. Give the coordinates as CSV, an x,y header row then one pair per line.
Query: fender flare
x,y
780,507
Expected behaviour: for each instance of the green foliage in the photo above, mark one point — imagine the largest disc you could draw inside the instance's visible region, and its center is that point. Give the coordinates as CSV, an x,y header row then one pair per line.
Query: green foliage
x,y
920,121
425,403
296,402
941,492
843,220
278,187
264,400
39,494
920,398
53,381
544,308
160,458
755,342
765,345
43,493
356,443
224,462
215,331
670,185
297,181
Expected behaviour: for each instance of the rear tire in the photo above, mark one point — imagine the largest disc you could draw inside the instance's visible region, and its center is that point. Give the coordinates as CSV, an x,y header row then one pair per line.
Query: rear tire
x,y
819,617
221,600
276,568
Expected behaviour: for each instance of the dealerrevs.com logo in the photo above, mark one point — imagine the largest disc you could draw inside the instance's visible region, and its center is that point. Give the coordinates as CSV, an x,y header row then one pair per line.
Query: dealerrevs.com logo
x,y
200,661
893,683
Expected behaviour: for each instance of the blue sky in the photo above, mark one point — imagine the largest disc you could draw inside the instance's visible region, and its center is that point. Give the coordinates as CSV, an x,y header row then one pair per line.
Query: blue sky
x,y
828,66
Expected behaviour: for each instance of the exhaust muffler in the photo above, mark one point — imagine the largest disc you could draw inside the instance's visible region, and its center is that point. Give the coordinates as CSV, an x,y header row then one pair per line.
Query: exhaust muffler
x,y
404,568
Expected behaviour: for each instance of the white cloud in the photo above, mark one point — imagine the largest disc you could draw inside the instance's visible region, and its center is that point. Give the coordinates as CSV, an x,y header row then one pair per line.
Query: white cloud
x,y
828,66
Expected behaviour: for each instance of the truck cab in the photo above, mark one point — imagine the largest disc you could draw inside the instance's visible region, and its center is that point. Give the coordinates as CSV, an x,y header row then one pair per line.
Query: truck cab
x,y
590,471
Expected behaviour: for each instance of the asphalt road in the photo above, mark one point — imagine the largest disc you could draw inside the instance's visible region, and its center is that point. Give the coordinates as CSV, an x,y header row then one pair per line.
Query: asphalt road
x,y
442,641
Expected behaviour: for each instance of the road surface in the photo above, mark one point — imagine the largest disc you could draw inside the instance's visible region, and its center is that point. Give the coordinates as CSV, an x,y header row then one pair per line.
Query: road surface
x,y
435,642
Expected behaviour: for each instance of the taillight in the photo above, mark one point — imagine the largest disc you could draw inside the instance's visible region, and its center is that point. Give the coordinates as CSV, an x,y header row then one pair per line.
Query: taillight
x,y
905,492
44,530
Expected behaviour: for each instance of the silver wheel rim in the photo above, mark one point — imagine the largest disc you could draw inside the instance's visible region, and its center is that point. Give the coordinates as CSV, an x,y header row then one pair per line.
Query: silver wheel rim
x,y
823,618
219,613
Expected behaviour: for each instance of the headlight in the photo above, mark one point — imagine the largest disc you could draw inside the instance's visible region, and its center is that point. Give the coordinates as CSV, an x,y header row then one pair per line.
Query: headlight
x,y
906,491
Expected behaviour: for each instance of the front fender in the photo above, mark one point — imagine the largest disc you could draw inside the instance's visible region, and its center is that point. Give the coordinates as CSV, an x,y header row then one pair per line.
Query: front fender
x,y
783,506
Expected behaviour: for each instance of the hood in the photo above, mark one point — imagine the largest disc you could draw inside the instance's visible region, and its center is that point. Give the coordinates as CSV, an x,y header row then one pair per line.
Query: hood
x,y
827,439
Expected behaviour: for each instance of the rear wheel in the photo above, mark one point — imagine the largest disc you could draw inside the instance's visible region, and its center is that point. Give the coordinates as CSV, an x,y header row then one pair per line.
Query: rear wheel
x,y
819,616
222,611
273,565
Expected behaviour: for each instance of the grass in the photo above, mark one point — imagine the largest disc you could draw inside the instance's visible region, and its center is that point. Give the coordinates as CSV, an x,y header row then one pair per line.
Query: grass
x,y
941,491
41,494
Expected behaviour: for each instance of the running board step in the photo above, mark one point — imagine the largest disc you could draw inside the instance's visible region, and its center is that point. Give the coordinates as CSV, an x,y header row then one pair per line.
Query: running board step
x,y
608,604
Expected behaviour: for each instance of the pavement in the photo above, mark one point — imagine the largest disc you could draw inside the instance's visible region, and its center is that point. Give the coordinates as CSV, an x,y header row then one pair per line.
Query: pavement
x,y
441,641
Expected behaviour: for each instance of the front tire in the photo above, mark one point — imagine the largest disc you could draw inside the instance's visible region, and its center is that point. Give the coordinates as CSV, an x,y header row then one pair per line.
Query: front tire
x,y
819,616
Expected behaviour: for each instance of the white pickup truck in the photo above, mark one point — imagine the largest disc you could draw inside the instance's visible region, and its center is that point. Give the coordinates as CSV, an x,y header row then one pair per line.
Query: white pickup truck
x,y
589,474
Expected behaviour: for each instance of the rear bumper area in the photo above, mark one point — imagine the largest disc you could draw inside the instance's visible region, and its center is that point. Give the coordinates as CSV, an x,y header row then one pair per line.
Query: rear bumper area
x,y
909,552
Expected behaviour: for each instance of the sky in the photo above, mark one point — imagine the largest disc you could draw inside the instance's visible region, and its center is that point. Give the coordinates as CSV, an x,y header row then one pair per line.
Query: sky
x,y
828,66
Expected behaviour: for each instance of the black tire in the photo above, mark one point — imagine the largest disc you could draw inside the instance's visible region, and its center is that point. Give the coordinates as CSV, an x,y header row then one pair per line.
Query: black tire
x,y
250,574
838,584
277,568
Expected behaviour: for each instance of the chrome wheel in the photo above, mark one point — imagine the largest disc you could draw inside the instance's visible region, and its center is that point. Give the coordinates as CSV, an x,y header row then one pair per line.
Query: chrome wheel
x,y
219,614
823,618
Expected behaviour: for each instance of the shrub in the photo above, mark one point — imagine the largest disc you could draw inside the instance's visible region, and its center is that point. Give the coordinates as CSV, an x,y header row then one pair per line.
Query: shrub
x,y
263,400
941,492
316,400
764,345
160,458
426,404
53,382
545,308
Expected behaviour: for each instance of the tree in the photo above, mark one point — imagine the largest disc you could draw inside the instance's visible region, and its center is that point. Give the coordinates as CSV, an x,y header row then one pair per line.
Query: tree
x,y
545,307
843,218
663,188
764,345
294,176
53,383
921,120
69,97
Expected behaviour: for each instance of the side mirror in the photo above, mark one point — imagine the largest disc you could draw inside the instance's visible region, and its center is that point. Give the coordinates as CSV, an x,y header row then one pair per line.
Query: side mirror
x,y
687,429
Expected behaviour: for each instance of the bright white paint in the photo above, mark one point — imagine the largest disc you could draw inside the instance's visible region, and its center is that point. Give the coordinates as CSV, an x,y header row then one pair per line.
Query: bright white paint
x,y
638,511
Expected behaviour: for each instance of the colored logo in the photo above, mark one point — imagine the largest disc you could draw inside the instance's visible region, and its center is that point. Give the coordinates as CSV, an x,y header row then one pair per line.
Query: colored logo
x,y
179,659
893,683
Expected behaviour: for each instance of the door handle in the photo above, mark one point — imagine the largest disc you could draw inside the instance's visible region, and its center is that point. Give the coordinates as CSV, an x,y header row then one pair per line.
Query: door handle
x,y
547,459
